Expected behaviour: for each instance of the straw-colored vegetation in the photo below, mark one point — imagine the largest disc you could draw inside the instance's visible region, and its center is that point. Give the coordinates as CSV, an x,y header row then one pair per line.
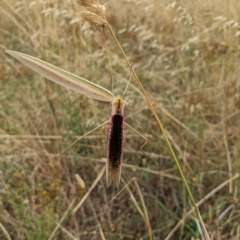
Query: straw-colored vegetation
x,y
187,58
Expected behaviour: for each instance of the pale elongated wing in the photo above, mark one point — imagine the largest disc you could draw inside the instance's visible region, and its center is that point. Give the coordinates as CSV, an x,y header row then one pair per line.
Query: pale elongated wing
x,y
64,78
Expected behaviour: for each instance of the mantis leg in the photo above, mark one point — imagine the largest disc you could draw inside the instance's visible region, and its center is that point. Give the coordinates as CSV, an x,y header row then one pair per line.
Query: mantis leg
x,y
129,80
146,140
84,136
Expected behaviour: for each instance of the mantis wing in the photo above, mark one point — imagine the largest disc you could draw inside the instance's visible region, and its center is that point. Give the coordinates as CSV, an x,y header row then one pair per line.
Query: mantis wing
x,y
64,78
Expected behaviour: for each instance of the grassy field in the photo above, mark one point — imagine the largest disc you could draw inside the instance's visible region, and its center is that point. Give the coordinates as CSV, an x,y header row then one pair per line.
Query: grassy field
x,y
186,54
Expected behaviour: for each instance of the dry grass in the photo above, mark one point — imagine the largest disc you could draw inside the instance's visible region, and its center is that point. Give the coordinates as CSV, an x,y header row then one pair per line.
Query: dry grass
x,y
187,58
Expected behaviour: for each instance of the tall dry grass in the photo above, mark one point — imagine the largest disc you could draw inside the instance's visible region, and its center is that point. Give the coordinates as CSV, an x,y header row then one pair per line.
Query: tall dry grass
x,y
187,57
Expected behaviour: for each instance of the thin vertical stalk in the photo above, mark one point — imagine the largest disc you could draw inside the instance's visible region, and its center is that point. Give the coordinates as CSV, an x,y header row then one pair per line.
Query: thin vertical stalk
x,y
163,131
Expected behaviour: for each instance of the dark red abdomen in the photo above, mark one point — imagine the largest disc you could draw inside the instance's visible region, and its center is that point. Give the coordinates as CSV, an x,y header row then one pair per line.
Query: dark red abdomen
x,y
115,149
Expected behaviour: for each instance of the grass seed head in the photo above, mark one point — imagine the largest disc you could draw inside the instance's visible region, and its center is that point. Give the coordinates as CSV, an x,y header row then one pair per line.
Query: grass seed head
x,y
88,3
93,18
79,182
94,7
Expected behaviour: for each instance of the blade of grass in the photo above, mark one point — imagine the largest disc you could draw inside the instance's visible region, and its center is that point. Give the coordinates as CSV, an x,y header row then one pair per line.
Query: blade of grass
x,y
79,204
133,199
144,209
70,236
214,191
89,190
143,214
97,221
62,219
229,159
5,232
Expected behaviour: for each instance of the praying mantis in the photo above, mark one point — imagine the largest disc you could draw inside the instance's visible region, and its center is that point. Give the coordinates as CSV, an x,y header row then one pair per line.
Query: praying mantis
x,y
96,92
